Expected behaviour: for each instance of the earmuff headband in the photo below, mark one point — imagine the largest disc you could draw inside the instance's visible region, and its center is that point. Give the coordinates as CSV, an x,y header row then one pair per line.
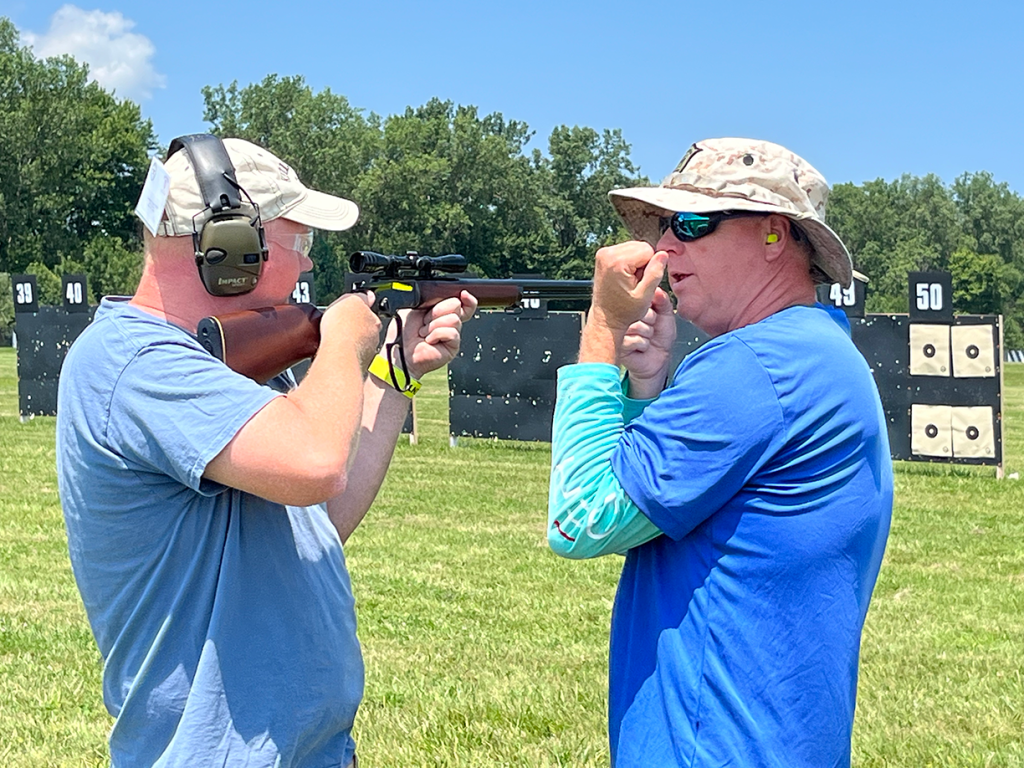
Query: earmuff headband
x,y
213,169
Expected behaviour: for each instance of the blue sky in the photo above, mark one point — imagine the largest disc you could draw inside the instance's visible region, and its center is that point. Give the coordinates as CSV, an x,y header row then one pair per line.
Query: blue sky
x,y
861,90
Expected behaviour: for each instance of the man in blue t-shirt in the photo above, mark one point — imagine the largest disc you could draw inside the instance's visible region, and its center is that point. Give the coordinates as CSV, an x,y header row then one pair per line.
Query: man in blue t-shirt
x,y
750,490
205,511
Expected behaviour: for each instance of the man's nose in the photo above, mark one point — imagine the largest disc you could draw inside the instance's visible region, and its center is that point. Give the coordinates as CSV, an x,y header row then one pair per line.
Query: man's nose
x,y
668,242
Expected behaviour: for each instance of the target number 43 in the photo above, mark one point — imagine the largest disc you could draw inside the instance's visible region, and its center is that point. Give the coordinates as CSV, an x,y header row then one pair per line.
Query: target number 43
x,y
301,293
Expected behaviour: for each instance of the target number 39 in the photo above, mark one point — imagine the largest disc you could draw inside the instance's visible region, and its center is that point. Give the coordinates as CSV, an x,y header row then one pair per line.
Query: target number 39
x,y
23,293
26,294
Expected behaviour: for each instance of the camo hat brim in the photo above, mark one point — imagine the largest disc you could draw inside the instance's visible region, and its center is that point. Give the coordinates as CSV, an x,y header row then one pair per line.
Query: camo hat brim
x,y
740,175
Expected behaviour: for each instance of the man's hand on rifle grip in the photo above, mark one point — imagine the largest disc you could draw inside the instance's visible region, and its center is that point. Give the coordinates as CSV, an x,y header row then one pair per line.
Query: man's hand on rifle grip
x,y
431,335
350,317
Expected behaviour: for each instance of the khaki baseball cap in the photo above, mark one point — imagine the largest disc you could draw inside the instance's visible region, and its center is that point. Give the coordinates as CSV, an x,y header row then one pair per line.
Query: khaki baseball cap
x,y
269,181
740,175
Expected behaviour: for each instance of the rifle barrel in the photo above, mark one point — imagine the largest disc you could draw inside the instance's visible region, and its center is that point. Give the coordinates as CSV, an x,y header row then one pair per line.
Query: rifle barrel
x,y
555,289
490,292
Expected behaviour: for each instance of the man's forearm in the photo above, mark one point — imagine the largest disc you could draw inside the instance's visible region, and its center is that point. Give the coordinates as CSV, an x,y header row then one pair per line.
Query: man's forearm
x,y
322,419
589,513
600,343
384,412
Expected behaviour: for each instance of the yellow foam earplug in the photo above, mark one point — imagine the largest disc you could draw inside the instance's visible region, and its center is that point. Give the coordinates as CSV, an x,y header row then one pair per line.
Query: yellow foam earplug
x,y
773,238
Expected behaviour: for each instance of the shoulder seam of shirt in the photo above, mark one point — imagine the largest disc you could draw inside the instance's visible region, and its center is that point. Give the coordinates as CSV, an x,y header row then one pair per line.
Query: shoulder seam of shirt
x,y
115,321
139,349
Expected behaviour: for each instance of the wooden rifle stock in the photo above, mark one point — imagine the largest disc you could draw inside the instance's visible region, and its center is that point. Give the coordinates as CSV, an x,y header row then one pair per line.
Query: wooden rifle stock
x,y
261,343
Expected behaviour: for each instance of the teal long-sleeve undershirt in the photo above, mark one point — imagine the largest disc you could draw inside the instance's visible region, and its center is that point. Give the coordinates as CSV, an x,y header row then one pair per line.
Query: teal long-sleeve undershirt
x,y
589,513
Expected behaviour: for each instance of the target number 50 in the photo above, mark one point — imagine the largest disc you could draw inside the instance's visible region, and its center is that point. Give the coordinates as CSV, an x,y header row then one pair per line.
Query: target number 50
x,y
929,296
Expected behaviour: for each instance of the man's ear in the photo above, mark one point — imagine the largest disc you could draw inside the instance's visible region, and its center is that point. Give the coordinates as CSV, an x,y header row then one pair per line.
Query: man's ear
x,y
776,235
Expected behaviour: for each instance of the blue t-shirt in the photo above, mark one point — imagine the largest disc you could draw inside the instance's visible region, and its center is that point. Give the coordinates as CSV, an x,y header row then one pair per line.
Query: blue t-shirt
x,y
838,315
735,636
226,622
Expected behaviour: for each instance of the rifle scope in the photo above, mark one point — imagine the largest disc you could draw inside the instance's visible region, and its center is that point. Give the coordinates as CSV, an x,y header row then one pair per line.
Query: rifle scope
x,y
370,262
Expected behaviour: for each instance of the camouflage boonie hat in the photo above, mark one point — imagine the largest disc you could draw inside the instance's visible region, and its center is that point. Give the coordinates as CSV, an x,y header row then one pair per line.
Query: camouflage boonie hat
x,y
740,175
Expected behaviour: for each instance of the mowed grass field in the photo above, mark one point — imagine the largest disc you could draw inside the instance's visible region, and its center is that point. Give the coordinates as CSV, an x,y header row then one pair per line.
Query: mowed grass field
x,y
484,649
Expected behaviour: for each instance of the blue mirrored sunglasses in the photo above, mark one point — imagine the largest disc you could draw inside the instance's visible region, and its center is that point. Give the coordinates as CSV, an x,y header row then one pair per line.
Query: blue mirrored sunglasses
x,y
688,227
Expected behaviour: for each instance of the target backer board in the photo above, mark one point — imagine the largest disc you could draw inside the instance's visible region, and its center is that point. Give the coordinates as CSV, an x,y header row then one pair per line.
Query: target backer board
x,y
44,337
503,382
940,383
46,333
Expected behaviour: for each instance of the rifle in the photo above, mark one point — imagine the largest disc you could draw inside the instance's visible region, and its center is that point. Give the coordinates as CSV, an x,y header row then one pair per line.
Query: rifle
x,y
261,343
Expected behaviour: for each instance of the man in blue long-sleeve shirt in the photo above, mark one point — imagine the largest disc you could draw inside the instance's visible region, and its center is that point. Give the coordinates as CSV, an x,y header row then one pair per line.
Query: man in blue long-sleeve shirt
x,y
750,489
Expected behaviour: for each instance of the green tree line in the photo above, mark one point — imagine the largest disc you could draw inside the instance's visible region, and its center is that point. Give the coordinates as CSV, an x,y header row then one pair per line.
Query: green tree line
x,y
972,228
438,178
72,162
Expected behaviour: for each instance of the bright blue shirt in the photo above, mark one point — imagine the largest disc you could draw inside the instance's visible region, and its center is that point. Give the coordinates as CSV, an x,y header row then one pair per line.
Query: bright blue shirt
x,y
837,315
226,622
735,635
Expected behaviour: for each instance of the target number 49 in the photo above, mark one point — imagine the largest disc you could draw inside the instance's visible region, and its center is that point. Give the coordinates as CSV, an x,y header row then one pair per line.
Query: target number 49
x,y
842,297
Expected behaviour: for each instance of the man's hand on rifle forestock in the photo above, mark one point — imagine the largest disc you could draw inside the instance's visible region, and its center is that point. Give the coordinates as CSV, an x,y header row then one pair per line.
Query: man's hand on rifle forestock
x,y
431,336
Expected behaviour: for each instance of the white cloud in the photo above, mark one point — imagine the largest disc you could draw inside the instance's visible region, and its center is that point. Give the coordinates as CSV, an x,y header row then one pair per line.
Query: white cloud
x,y
118,59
